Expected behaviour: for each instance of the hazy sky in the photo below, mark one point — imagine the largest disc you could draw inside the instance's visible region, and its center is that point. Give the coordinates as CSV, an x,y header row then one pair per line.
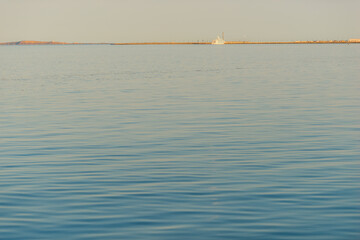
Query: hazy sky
x,y
178,20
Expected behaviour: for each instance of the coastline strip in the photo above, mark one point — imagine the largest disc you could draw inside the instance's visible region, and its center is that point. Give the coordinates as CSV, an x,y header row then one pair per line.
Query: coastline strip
x,y
179,43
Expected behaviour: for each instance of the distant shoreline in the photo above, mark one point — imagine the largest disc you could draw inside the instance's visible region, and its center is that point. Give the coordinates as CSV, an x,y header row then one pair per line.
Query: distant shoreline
x,y
238,42
179,43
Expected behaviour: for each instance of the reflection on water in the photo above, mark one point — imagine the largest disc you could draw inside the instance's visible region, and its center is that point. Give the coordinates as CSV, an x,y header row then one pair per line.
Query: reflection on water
x,y
180,142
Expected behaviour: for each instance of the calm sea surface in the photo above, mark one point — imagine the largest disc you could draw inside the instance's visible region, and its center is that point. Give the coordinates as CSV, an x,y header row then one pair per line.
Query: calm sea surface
x,y
180,142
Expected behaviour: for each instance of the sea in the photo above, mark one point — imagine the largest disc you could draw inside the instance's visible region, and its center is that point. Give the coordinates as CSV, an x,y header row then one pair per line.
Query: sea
x,y
174,142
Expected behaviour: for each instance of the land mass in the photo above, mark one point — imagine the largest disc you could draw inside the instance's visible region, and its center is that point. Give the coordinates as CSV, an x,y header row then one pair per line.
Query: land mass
x,y
44,43
181,43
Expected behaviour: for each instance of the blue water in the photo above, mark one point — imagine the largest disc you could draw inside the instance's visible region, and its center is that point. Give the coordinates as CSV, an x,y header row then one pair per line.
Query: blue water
x,y
180,142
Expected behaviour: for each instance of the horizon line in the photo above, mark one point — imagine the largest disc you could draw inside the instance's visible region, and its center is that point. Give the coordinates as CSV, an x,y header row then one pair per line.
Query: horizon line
x,y
32,42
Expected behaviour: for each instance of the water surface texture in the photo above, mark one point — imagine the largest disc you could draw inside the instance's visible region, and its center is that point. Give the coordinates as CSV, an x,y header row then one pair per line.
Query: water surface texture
x,y
180,142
